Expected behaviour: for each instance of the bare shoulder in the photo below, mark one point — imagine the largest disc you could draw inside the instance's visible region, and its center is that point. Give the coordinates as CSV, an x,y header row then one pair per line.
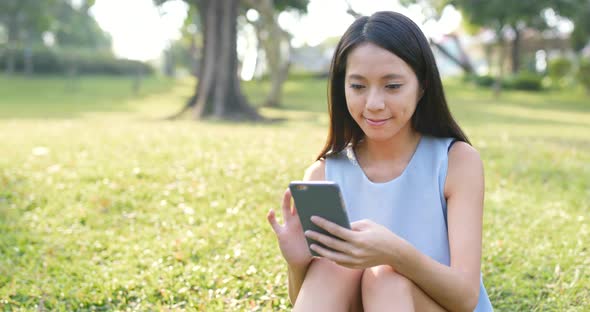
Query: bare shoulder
x,y
465,168
461,153
316,172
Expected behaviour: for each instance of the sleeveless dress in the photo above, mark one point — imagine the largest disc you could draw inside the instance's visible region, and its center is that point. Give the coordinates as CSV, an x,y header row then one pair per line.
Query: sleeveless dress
x,y
412,205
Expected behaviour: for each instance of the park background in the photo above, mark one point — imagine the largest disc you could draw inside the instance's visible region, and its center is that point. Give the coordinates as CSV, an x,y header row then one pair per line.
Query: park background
x,y
125,186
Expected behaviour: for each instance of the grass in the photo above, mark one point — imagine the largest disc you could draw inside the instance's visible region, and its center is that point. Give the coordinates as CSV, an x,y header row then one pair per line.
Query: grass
x,y
104,206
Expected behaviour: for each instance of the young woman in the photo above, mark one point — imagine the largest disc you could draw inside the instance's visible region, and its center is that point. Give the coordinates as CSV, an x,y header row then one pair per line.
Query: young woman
x,y
411,183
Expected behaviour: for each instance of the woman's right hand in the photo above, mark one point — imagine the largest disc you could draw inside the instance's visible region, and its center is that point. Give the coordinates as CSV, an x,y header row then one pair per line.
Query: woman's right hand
x,y
292,242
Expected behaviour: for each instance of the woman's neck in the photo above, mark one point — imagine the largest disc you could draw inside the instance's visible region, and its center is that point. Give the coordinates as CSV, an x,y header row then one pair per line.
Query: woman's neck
x,y
401,147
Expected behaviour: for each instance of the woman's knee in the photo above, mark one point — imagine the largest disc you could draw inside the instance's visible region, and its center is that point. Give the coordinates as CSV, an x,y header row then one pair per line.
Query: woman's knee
x,y
384,277
329,286
324,267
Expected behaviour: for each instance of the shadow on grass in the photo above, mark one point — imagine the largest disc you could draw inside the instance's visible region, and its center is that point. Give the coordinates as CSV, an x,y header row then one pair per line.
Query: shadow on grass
x,y
481,117
54,97
567,100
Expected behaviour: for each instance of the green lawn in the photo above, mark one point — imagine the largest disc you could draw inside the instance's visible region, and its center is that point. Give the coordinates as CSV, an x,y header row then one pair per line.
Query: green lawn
x,y
105,206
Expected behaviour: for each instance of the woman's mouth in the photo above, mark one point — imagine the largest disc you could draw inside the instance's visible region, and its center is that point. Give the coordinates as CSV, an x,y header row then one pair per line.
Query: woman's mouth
x,y
376,122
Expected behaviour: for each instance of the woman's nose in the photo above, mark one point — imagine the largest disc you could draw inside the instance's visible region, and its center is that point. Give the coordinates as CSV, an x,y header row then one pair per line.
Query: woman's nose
x,y
375,101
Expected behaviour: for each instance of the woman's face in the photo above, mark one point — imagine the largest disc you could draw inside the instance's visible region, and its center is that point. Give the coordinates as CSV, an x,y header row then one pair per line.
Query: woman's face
x,y
381,91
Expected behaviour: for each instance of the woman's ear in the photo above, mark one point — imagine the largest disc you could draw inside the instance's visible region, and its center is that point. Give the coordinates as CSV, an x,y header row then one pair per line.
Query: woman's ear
x,y
423,87
421,93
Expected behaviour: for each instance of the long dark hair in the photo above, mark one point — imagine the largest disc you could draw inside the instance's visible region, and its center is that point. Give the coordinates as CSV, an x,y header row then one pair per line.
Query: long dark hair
x,y
402,37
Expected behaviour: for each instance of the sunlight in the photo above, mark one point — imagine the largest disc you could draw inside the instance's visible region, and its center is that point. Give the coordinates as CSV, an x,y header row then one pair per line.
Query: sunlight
x,y
140,30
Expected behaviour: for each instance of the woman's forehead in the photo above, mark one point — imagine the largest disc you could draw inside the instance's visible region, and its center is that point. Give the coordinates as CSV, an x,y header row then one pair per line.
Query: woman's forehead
x,y
369,59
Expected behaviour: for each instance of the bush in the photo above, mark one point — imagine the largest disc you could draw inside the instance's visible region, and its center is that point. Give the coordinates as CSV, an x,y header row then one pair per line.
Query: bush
x,y
558,69
524,81
47,61
483,80
584,74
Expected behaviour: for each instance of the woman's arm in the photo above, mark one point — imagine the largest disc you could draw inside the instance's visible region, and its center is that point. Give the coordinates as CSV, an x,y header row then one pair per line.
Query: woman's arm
x,y
296,273
455,287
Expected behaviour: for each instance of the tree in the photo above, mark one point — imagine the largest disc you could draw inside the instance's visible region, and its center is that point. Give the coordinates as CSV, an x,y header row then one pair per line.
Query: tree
x,y
24,21
274,41
432,10
218,93
578,12
510,15
75,27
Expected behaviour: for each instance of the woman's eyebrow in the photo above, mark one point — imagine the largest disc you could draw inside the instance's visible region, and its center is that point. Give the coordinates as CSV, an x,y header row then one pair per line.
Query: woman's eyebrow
x,y
388,76
392,76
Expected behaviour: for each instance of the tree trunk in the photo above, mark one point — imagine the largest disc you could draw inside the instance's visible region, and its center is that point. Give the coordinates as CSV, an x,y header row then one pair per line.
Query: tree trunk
x,y
10,59
276,44
464,66
194,57
29,66
11,46
463,56
501,57
278,78
218,93
516,50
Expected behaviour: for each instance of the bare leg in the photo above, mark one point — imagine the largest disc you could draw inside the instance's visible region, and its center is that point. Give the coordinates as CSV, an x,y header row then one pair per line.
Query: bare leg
x,y
329,287
383,289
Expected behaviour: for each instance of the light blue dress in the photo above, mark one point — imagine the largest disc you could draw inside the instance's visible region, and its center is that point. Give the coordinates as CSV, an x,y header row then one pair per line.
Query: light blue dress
x,y
412,205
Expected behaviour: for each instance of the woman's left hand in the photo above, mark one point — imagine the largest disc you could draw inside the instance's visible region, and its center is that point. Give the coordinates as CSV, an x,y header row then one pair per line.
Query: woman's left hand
x,y
367,244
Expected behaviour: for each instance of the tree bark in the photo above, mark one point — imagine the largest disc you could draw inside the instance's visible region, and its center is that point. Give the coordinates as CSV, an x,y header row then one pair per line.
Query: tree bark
x,y
29,65
275,43
516,50
466,67
218,93
463,56
11,46
501,57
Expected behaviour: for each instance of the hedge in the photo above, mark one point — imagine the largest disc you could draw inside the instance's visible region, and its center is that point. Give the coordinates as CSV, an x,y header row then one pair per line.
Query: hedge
x,y
47,61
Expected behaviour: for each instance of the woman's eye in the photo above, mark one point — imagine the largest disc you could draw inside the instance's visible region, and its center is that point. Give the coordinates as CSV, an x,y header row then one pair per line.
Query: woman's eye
x,y
356,86
393,86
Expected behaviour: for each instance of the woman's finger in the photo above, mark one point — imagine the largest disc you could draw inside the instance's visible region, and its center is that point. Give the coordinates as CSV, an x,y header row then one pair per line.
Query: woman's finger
x,y
273,221
333,228
360,225
329,241
335,256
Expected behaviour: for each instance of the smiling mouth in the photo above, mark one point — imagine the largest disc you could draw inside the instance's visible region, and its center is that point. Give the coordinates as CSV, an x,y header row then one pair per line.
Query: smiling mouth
x,y
376,122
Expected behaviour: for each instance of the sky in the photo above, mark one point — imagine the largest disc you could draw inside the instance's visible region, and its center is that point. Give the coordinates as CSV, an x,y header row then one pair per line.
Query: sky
x,y
142,31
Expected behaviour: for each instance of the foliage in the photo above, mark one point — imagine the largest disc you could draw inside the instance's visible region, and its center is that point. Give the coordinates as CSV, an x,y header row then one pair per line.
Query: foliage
x,y
26,21
558,69
577,11
108,209
524,80
77,28
26,18
80,61
480,80
583,74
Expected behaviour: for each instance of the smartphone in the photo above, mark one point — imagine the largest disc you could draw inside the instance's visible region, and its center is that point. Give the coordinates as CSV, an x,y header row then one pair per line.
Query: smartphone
x,y
322,199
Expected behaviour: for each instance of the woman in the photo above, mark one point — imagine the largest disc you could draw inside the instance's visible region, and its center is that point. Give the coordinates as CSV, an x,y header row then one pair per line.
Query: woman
x,y
410,179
